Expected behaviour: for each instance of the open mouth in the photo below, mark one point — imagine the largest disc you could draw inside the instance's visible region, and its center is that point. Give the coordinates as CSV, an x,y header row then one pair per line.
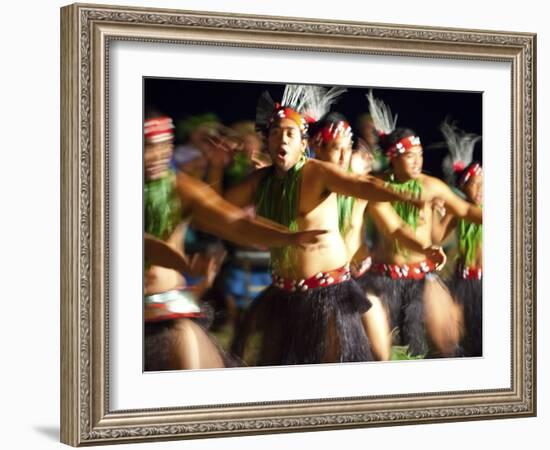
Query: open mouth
x,y
281,153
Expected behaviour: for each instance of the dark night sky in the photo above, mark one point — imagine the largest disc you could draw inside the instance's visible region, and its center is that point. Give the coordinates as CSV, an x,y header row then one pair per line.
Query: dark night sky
x,y
421,110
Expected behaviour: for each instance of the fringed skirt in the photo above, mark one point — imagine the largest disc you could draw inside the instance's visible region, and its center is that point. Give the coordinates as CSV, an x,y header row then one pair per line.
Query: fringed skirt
x,y
163,314
468,293
305,327
403,299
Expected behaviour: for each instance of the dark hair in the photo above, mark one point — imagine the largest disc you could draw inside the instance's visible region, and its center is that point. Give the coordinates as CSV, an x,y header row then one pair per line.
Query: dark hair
x,y
152,112
387,141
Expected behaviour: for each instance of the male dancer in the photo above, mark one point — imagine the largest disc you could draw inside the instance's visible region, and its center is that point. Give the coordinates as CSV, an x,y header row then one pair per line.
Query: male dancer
x,y
331,138
173,338
404,277
311,313
466,283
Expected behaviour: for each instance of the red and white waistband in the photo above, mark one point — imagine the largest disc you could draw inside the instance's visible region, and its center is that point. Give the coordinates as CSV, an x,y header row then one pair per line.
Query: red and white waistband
x,y
470,273
415,271
321,279
169,305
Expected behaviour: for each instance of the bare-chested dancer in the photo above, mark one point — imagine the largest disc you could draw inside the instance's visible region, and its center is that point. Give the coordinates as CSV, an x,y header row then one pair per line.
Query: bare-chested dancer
x,y
174,336
418,303
331,139
312,311
466,282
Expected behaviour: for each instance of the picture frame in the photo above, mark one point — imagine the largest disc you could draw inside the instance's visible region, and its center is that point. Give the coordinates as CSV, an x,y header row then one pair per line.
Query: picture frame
x,y
87,32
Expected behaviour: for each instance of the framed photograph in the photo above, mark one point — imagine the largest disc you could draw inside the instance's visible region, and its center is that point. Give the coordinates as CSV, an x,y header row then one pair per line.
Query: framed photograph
x,y
137,81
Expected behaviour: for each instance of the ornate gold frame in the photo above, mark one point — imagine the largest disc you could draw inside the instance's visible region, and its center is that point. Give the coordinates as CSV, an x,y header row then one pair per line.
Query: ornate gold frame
x,y
86,31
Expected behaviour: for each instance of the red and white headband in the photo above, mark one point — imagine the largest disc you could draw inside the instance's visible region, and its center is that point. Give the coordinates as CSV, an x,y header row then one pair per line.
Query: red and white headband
x,y
331,131
159,129
473,170
402,146
283,112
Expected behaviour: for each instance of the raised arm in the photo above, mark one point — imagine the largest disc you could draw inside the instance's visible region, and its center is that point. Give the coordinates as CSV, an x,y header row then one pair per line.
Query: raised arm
x,y
366,187
457,206
393,227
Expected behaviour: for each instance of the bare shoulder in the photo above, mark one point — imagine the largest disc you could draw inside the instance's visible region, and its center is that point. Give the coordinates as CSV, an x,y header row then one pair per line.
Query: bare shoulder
x,y
313,165
432,183
315,169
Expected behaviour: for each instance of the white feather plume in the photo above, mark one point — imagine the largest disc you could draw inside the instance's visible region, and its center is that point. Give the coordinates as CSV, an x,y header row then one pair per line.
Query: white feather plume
x,y
319,100
381,114
295,96
460,144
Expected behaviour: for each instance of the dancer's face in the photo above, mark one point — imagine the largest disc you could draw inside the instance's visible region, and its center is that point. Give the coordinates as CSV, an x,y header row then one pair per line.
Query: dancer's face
x,y
157,159
474,189
361,162
337,151
368,132
285,144
409,165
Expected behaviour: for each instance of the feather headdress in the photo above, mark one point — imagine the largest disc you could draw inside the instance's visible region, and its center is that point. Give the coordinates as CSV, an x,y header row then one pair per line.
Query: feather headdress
x,y
319,100
328,126
381,115
301,103
461,150
292,106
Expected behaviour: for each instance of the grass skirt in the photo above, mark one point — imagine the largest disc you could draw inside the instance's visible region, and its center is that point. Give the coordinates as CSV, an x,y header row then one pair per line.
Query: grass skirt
x,y
404,300
315,326
468,293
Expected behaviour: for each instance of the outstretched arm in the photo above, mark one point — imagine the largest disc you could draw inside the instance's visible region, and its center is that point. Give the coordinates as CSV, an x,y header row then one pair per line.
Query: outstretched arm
x,y
366,187
217,216
457,206
392,226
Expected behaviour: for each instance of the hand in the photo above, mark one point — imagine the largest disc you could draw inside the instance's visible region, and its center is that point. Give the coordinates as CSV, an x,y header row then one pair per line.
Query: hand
x,y
205,265
213,266
218,152
260,160
217,144
439,207
301,238
436,254
420,204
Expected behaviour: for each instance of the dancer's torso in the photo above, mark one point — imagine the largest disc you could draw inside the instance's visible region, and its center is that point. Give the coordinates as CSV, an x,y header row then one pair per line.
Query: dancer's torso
x,y
160,279
388,252
316,211
354,237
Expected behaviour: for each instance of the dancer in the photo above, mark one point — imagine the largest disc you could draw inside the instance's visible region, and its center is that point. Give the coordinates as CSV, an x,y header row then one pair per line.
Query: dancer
x,y
418,302
173,338
466,283
312,311
331,139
